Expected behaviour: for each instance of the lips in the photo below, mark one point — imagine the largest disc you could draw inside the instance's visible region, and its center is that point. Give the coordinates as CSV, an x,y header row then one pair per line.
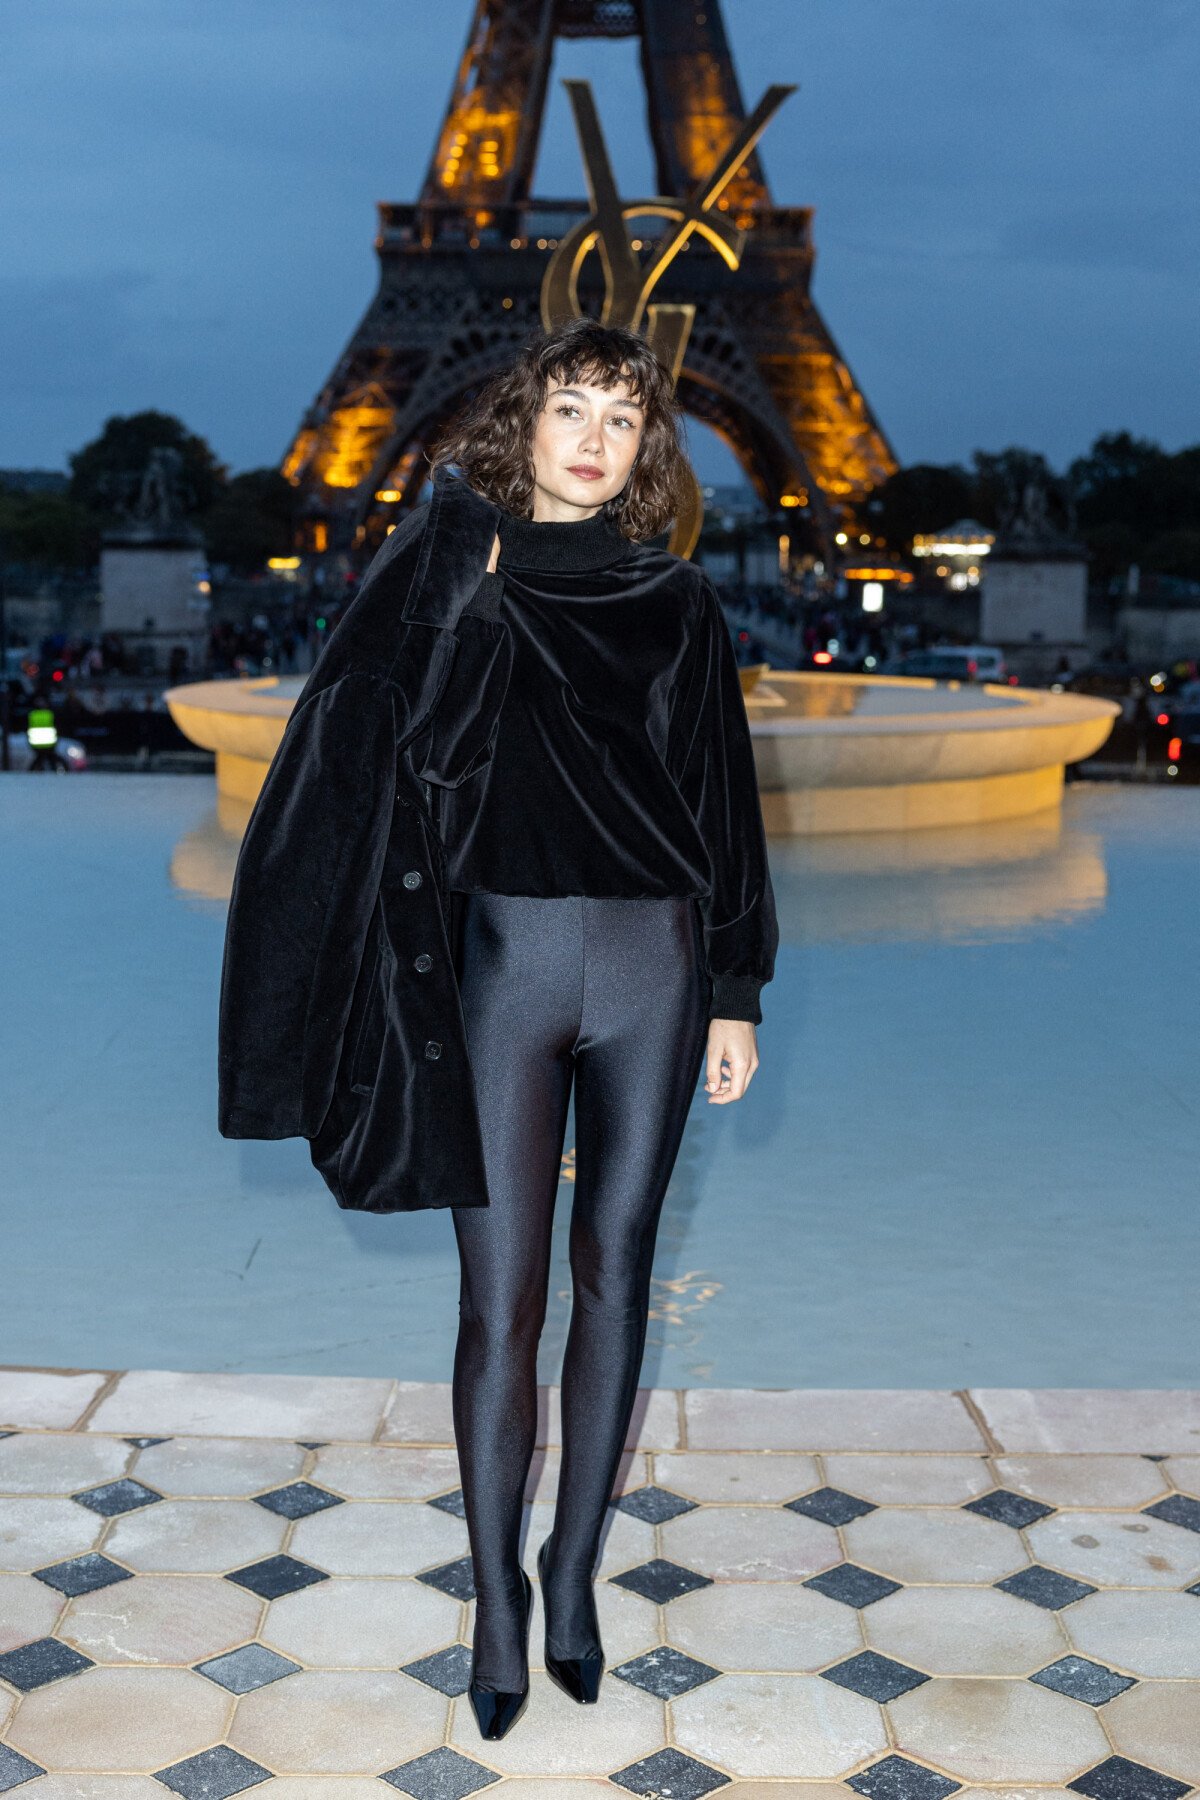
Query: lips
x,y
586,471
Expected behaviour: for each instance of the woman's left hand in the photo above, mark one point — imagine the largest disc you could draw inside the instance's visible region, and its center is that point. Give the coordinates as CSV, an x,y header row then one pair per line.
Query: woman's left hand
x,y
734,1042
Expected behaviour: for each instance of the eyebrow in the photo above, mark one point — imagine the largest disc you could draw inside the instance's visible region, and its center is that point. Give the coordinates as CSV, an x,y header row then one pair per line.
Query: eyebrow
x,y
576,395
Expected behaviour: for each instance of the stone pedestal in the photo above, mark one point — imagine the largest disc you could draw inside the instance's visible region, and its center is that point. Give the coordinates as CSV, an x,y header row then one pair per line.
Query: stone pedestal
x,y
155,594
1034,601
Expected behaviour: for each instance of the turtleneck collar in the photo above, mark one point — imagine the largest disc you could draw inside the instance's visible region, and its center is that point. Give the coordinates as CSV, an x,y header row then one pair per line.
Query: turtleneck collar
x,y
560,544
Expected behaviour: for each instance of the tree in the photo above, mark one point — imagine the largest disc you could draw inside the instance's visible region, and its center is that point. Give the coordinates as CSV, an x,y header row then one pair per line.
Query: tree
x,y
923,498
251,520
107,473
49,531
1174,553
1001,478
1122,479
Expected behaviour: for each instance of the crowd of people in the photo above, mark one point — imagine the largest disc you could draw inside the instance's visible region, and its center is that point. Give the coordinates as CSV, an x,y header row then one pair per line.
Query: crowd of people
x,y
810,625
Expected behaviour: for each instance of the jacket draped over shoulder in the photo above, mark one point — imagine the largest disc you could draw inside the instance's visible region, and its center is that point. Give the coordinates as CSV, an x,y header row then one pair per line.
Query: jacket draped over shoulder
x,y
340,1017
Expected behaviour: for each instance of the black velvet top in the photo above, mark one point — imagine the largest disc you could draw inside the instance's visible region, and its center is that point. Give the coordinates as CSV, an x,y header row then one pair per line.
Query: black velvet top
x,y
620,763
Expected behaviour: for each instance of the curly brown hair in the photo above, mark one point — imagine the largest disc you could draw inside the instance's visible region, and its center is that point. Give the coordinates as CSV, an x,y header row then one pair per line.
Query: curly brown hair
x,y
491,438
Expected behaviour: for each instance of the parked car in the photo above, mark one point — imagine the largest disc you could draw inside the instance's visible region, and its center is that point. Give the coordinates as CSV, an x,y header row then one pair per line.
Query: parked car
x,y
1183,741
950,662
20,756
830,662
1107,681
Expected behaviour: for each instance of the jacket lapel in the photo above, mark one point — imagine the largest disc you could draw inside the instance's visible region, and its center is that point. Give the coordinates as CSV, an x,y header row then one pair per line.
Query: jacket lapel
x,y
455,547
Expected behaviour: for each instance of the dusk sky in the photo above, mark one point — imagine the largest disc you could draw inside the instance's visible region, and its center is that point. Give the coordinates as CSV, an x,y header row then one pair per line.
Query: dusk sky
x,y
1008,247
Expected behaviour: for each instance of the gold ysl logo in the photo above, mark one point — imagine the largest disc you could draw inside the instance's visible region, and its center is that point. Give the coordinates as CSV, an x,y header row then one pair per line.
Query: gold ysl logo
x,y
627,284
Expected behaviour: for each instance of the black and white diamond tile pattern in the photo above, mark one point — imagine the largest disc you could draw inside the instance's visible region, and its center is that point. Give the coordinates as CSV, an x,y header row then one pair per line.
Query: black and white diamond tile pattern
x,y
214,1774
653,1505
1008,1508
666,1672
895,1778
1083,1680
84,1574
1176,1509
275,1576
873,1676
831,1506
670,1772
448,1670
1116,1778
40,1662
298,1500
1044,1587
851,1585
15,1769
116,1497
660,1580
250,1666
452,1503
455,1578
442,1774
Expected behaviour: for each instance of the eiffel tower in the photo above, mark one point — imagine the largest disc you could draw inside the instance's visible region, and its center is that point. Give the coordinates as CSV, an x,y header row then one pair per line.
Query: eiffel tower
x,y
461,273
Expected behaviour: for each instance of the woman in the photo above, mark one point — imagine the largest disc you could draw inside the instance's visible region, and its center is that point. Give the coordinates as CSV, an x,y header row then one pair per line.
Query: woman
x,y
614,924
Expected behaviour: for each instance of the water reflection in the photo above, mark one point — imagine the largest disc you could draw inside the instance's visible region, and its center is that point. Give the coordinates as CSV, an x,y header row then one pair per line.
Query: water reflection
x,y
840,697
203,860
946,883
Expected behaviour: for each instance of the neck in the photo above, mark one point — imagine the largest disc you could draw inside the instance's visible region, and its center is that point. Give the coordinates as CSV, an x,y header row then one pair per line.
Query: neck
x,y
560,544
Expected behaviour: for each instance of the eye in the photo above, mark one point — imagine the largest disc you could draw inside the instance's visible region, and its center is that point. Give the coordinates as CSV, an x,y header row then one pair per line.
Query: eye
x,y
622,420
567,406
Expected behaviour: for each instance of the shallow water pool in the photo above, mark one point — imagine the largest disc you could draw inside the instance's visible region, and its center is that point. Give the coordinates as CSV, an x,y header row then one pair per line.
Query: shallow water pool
x,y
971,1155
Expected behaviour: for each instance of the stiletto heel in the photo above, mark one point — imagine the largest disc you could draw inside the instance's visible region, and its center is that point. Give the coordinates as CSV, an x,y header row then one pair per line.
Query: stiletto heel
x,y
578,1676
497,1709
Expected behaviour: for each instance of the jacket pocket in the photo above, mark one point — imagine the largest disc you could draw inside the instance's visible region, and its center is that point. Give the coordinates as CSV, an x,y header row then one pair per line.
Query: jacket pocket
x,y
371,1020
461,735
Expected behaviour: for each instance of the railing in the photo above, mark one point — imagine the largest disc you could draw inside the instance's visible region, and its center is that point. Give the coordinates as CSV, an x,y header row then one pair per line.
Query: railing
x,y
412,223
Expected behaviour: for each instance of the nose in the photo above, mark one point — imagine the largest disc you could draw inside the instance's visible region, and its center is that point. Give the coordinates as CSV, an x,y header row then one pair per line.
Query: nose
x,y
590,443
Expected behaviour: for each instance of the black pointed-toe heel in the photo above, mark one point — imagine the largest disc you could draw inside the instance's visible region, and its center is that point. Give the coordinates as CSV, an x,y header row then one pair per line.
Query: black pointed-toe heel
x,y
578,1676
496,1709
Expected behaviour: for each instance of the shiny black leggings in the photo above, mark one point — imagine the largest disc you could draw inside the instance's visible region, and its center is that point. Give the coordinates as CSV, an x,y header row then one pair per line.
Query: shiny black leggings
x,y
613,993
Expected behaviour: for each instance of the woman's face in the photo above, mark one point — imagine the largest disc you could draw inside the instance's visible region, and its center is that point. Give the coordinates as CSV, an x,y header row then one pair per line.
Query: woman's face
x,y
584,445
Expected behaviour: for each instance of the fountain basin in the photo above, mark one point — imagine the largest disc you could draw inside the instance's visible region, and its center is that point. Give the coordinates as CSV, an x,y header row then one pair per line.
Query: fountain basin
x,y
834,753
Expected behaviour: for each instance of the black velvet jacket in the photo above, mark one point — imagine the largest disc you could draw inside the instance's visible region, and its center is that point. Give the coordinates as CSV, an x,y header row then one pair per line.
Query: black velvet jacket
x,y
340,1016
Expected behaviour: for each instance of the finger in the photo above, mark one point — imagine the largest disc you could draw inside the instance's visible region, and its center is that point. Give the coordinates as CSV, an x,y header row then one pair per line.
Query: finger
x,y
739,1076
712,1071
741,1071
724,1088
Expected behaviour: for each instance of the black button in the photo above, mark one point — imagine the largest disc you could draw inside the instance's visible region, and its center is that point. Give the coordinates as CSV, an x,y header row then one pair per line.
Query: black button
x,y
413,878
423,962
433,1049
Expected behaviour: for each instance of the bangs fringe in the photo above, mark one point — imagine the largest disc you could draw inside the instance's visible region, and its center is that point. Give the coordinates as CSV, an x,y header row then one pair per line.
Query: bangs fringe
x,y
491,437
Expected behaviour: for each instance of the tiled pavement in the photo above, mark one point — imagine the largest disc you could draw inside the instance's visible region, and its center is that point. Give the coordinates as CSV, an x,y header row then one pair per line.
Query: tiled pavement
x,y
226,1584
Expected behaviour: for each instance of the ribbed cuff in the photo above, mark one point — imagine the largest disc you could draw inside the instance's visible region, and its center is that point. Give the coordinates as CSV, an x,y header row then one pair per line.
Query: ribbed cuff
x,y
736,997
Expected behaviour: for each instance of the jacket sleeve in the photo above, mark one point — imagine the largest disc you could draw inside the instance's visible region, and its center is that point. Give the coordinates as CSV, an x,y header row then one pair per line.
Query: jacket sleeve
x,y
306,881
719,782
